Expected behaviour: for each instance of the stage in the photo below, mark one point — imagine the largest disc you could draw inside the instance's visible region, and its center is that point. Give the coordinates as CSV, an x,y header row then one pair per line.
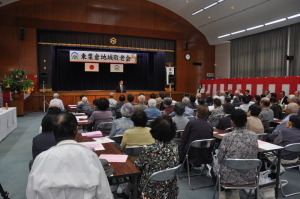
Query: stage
x,y
35,101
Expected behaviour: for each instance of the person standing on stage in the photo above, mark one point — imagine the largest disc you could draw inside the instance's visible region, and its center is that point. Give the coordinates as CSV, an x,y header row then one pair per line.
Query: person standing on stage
x,y
121,88
200,89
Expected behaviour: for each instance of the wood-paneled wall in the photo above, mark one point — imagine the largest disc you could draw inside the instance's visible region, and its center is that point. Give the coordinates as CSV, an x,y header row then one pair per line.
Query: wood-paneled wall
x,y
125,17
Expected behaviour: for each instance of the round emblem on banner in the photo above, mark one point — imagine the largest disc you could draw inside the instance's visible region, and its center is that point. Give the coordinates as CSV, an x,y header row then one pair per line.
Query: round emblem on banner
x,y
117,67
92,67
113,41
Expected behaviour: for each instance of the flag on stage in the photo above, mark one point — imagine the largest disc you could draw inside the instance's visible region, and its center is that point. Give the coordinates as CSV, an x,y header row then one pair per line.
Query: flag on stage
x,y
91,67
116,68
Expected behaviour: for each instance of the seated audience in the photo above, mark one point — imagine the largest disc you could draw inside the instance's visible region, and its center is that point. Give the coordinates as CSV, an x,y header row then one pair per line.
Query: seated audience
x,y
237,101
201,102
81,96
152,95
198,96
141,105
53,110
163,130
169,107
283,98
290,98
227,100
208,99
239,144
160,98
217,95
152,112
225,122
289,135
139,135
61,104
276,108
119,105
267,94
89,111
291,109
103,115
179,119
44,140
230,94
121,125
218,110
245,103
69,169
160,105
130,99
297,101
257,99
112,101
266,114
297,93
247,93
253,123
196,130
84,105
188,111
222,97
192,104
274,95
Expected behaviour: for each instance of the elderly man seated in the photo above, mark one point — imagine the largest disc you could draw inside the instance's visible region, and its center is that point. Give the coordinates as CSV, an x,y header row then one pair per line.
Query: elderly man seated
x,y
152,112
84,105
141,105
217,111
112,101
61,104
69,169
266,114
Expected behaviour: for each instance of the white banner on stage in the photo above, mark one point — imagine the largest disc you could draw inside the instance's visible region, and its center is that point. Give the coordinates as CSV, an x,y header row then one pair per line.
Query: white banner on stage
x,y
118,68
259,89
286,89
91,67
249,87
103,57
272,88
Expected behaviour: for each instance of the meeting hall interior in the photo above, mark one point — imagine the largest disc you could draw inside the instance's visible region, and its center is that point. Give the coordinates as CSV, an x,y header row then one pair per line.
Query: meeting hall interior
x,y
149,99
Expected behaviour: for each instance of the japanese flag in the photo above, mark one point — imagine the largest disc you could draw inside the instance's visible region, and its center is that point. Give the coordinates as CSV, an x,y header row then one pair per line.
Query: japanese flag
x,y
91,67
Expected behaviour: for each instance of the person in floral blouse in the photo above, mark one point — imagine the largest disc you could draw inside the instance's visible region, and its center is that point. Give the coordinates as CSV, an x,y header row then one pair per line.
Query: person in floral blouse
x,y
159,156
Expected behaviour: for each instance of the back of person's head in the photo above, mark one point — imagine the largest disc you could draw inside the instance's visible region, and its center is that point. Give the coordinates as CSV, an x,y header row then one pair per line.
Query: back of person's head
x,y
141,94
265,102
227,99
257,98
255,110
228,108
217,102
53,110
84,99
192,98
239,118
262,95
127,110
54,104
293,107
283,92
198,96
81,96
185,101
161,95
95,101
130,98
296,100
139,118
167,101
102,104
111,95
209,100
122,98
202,112
273,100
245,99
274,95
179,108
201,101
55,95
152,96
186,95
295,120
163,128
64,126
152,102
141,98
47,122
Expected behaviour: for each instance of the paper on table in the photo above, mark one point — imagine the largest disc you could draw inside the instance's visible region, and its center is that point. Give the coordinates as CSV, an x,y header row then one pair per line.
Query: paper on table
x,y
81,116
92,133
78,114
114,157
103,140
261,142
72,105
96,146
215,132
275,118
269,146
82,121
222,134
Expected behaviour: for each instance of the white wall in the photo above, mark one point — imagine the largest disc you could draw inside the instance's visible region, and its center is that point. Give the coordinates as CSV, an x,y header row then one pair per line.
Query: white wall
x,y
222,60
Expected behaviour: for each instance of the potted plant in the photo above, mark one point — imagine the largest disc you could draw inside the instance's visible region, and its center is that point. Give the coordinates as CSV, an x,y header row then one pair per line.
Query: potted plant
x,y
16,83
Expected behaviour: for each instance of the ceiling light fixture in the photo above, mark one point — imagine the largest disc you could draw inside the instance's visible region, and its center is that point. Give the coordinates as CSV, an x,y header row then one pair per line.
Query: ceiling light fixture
x,y
255,27
197,12
272,22
291,17
211,5
220,1
224,36
233,33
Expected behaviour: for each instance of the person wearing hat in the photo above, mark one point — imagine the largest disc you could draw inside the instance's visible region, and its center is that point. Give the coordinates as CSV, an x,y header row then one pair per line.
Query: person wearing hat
x,y
69,169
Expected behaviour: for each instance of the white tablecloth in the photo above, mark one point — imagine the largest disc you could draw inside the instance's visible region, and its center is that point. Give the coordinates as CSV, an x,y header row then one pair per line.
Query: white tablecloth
x,y
8,121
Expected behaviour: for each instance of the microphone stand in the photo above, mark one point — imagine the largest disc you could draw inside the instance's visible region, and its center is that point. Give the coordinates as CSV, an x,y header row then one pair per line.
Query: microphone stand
x,y
44,98
4,194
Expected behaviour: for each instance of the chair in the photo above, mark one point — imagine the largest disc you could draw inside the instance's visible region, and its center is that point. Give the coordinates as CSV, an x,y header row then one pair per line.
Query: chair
x,y
219,116
262,136
104,127
30,164
292,148
134,151
229,129
149,122
201,144
163,175
117,139
191,118
240,164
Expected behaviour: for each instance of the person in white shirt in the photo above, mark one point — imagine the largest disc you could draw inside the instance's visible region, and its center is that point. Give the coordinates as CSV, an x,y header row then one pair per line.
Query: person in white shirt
x,y
69,169
111,100
61,104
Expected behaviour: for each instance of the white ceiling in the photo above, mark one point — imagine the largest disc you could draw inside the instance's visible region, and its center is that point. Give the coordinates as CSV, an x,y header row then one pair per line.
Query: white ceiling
x,y
225,20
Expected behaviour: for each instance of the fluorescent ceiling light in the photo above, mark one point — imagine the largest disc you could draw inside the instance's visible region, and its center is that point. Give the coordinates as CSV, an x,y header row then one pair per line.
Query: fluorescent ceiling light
x,y
220,1
233,33
224,36
255,27
210,5
272,22
197,12
291,17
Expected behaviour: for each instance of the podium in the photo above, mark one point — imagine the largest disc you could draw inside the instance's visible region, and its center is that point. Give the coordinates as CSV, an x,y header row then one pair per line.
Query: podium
x,y
19,104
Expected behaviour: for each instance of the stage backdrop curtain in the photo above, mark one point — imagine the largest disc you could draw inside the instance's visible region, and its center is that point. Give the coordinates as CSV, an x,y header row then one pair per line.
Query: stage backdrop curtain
x,y
259,55
148,74
295,49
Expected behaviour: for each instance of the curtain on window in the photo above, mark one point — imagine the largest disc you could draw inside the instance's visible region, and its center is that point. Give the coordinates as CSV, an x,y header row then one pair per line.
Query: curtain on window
x,y
295,50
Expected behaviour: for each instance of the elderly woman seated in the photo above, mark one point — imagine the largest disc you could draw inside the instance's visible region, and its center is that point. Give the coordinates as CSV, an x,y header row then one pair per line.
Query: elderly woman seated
x,y
84,105
121,125
179,119
103,115
169,107
239,144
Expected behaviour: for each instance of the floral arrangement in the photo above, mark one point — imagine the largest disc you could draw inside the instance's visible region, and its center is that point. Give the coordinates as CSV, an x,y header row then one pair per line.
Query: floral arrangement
x,y
17,82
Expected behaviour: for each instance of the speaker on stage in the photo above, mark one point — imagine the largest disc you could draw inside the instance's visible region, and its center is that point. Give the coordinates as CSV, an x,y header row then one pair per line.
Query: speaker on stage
x,y
43,78
22,34
171,79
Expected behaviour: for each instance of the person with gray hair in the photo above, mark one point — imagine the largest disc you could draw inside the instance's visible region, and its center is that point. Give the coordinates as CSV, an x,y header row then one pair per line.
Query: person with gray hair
x,y
84,105
152,112
112,101
121,125
291,109
61,104
141,105
179,119
187,111
297,101
168,104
